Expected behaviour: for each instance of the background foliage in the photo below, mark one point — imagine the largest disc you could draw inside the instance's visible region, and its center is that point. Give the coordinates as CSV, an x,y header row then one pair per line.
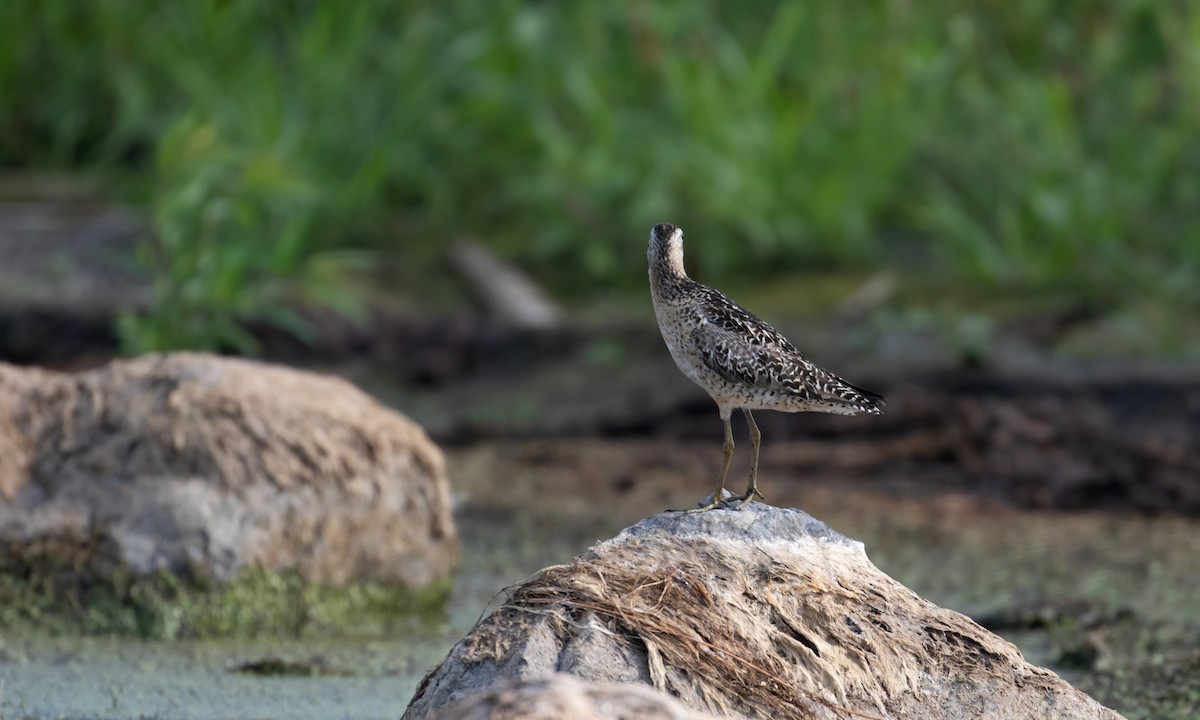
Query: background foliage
x,y
1020,146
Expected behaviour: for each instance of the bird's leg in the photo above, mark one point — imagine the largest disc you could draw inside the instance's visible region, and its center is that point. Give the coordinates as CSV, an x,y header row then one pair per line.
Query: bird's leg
x,y
716,500
755,440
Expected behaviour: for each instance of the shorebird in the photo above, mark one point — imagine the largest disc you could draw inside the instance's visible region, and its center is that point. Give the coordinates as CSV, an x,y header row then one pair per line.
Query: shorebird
x,y
741,361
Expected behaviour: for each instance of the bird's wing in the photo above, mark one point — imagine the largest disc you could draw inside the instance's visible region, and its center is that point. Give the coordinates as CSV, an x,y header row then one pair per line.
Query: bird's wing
x,y
737,359
742,348
718,310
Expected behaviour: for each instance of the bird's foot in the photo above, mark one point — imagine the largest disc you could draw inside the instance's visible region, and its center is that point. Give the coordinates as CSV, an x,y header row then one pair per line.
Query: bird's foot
x,y
710,503
747,497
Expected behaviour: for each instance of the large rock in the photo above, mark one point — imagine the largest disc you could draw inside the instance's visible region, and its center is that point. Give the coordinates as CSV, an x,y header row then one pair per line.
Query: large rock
x,y
211,465
561,696
763,613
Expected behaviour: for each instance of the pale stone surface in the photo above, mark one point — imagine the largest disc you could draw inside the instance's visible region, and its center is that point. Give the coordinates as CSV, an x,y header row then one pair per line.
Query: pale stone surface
x,y
764,613
191,461
562,696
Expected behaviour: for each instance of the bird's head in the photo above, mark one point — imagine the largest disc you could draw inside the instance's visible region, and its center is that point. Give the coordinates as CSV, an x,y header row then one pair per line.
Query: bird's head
x,y
666,248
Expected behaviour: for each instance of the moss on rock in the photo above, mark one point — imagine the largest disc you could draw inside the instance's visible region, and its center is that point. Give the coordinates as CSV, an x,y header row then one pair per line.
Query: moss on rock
x,y
58,587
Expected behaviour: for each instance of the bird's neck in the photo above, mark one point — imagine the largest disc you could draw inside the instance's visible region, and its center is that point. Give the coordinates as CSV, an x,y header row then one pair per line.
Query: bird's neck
x,y
667,266
668,286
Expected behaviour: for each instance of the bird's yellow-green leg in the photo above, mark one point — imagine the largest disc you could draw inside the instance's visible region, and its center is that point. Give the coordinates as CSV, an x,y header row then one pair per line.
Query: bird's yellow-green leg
x,y
716,500
755,440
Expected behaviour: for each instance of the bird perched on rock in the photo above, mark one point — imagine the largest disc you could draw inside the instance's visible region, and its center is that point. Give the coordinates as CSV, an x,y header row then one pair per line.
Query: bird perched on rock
x,y
741,361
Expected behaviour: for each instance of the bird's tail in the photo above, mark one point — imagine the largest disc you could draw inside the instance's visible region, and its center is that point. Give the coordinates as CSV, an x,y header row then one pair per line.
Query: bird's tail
x,y
852,397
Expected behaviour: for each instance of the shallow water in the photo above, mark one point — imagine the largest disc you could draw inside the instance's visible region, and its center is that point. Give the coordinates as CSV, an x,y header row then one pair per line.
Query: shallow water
x,y
121,678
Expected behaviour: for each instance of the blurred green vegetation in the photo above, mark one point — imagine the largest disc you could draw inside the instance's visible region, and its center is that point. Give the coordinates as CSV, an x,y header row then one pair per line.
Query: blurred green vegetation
x,y
1020,146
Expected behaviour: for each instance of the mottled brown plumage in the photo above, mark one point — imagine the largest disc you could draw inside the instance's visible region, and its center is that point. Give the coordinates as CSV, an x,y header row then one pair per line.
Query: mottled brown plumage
x,y
741,361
